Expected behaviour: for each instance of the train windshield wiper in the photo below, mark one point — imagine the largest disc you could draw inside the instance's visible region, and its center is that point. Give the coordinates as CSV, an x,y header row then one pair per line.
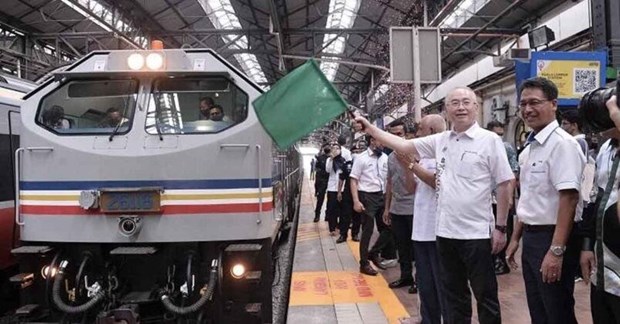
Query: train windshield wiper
x,y
115,131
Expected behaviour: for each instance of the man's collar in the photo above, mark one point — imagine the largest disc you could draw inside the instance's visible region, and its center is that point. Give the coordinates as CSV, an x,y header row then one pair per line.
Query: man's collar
x,y
542,136
470,132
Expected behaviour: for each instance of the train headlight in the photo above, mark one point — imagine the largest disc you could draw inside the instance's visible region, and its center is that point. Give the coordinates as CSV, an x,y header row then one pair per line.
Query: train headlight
x,y
155,61
237,271
48,271
135,61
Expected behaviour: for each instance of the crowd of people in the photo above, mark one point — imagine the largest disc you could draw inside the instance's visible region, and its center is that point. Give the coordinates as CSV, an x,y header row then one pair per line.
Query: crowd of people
x,y
446,199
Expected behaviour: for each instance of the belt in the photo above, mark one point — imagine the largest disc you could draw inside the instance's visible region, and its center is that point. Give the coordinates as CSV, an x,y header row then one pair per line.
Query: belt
x,y
372,193
538,228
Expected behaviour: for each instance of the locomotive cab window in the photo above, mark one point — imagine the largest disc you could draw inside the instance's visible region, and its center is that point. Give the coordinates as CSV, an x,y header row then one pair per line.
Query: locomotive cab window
x,y
195,105
89,107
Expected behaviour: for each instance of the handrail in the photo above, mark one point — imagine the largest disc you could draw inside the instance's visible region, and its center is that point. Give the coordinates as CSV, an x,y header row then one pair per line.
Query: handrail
x,y
235,146
260,183
291,173
17,176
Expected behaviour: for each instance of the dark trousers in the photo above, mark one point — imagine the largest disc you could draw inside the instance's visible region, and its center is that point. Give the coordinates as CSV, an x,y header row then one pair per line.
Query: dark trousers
x,y
605,306
386,242
356,222
551,303
401,227
333,211
461,261
373,206
320,190
346,211
432,303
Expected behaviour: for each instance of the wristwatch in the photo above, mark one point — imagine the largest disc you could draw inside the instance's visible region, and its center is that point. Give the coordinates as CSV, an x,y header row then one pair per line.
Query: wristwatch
x,y
557,250
501,228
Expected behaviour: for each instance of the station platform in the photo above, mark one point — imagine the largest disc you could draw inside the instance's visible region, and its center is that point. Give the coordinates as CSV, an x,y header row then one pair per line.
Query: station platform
x,y
327,288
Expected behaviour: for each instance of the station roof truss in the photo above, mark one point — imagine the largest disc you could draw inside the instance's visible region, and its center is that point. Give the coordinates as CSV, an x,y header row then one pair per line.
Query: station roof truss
x,y
264,38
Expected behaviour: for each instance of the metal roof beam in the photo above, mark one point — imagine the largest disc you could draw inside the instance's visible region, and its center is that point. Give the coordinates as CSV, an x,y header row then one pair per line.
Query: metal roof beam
x,y
504,12
128,38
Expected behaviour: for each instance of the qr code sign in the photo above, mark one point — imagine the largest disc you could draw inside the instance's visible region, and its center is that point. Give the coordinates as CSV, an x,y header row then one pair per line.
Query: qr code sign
x,y
585,80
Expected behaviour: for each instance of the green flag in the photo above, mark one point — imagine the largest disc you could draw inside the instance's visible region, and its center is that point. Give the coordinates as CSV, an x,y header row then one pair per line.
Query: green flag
x,y
297,104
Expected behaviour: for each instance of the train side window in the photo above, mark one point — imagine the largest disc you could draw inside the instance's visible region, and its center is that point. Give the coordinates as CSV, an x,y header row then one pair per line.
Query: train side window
x,y
195,106
82,107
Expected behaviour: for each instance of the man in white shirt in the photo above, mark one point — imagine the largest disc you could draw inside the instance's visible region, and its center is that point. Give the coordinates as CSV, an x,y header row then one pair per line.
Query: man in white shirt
x,y
335,165
470,160
368,176
432,303
551,170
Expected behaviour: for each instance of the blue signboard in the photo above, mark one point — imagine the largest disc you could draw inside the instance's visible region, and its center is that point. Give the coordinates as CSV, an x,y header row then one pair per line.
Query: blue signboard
x,y
574,73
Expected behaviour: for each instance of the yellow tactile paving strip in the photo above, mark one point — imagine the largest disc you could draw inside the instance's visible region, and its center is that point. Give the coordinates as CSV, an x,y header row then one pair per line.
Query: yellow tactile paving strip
x,y
329,288
307,232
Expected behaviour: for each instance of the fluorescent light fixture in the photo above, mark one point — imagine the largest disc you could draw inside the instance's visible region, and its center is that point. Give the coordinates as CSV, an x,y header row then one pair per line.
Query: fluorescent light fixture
x,y
222,16
342,14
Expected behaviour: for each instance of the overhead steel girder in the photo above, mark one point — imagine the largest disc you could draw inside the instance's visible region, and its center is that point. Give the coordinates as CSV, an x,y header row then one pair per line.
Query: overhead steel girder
x,y
504,12
126,36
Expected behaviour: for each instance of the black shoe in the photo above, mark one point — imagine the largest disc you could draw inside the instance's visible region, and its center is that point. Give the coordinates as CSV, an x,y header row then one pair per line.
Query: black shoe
x,y
356,238
341,239
401,283
368,270
316,219
501,269
376,260
413,289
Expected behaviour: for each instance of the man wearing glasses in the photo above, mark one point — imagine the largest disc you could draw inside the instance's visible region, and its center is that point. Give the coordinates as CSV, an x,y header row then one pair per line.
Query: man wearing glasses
x,y
551,170
470,160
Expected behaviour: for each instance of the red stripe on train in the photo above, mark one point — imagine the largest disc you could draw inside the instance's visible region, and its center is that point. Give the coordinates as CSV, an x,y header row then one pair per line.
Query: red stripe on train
x,y
170,209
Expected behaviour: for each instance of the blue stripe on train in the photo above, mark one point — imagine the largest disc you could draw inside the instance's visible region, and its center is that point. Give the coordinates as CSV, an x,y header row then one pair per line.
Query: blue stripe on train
x,y
167,184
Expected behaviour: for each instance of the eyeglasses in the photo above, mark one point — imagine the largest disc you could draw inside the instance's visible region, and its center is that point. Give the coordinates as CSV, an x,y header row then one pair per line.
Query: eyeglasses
x,y
532,103
457,103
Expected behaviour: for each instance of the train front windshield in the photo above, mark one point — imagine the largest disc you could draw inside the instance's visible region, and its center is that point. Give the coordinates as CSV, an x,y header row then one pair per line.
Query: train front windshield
x,y
90,107
195,105
175,105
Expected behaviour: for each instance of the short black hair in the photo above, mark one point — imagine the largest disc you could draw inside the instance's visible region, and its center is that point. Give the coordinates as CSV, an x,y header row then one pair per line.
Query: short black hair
x,y
397,122
342,140
495,124
208,100
217,107
572,116
547,86
112,110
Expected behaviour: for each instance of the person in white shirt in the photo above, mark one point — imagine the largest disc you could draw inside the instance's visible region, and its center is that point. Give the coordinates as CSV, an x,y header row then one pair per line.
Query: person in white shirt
x,y
334,165
432,302
551,170
470,160
368,176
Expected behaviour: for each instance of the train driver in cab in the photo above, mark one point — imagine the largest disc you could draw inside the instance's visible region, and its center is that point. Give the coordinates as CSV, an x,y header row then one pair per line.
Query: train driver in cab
x,y
206,103
55,118
113,118
217,117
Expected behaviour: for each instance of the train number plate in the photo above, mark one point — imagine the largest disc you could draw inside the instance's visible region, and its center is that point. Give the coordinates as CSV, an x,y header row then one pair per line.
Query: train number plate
x,y
130,201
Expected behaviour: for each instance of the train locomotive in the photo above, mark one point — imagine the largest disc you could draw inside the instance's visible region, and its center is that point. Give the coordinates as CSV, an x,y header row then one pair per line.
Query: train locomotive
x,y
148,192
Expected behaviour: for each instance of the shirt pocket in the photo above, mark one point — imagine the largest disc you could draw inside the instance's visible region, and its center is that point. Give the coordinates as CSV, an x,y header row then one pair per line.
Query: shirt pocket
x,y
470,166
538,176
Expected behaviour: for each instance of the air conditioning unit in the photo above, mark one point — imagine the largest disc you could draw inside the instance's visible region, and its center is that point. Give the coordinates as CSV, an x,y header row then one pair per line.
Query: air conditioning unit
x,y
514,54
